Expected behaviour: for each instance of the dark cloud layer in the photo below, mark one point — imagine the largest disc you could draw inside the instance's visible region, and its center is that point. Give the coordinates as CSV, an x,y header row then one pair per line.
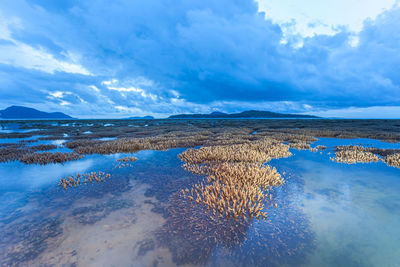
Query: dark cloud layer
x,y
160,57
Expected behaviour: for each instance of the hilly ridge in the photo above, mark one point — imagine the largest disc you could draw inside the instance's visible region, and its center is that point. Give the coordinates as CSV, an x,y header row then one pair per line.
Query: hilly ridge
x,y
244,114
19,112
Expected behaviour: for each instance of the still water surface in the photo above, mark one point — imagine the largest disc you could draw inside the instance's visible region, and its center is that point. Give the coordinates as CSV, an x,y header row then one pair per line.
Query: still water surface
x,y
329,214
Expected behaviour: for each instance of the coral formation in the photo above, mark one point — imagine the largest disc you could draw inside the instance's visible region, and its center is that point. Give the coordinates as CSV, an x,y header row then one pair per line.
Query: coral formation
x,y
317,148
191,234
132,136
125,162
43,147
393,160
257,151
47,157
237,181
360,154
80,179
27,154
354,154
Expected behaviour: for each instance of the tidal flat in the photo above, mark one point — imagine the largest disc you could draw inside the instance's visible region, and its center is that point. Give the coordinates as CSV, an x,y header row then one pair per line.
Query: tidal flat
x,y
299,192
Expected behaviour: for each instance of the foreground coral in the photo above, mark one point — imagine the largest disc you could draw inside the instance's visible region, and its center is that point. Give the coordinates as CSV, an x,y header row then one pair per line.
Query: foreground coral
x,y
237,181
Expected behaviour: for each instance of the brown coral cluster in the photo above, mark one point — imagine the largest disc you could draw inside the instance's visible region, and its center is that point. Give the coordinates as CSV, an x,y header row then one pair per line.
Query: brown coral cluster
x,y
83,179
257,151
300,145
352,156
128,145
125,162
192,234
393,160
240,173
12,151
48,157
360,154
237,181
317,148
28,154
44,147
228,200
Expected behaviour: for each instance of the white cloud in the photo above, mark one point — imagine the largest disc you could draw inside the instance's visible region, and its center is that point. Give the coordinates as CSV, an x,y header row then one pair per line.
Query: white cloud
x,y
19,54
322,16
129,110
198,56
56,94
114,85
94,87
64,103
22,55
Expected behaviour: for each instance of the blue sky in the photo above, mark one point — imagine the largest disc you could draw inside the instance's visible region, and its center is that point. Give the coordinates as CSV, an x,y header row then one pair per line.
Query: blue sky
x,y
122,58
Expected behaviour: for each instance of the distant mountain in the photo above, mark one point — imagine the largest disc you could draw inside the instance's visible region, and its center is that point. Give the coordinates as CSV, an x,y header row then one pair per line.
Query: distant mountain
x,y
217,113
141,118
18,112
244,114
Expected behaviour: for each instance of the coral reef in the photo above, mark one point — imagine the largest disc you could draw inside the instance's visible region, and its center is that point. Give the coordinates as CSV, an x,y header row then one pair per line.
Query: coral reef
x,y
10,152
393,160
43,147
360,154
83,179
132,136
257,151
191,234
237,181
47,157
318,148
386,130
26,154
125,162
26,240
354,154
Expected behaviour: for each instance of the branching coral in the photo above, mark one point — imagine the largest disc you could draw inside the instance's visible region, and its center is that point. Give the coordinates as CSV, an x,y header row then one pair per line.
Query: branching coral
x,y
80,179
360,154
237,180
47,157
258,151
393,160
125,162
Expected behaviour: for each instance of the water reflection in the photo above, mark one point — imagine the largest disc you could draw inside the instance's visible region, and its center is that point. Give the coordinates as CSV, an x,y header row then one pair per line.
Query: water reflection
x,y
328,214
353,210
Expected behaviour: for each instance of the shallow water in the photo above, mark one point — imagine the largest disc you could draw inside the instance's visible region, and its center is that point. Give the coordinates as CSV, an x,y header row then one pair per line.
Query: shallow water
x,y
329,214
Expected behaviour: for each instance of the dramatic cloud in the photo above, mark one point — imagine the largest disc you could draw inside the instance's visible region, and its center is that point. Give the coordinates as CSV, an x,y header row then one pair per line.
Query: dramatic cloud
x,y
122,58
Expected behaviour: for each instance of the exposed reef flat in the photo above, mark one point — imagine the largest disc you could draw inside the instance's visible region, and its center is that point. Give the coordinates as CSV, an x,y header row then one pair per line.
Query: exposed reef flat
x,y
360,154
127,136
242,115
194,192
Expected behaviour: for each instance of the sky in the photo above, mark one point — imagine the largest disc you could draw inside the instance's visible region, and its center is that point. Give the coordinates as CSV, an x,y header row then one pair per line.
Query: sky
x,y
122,58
